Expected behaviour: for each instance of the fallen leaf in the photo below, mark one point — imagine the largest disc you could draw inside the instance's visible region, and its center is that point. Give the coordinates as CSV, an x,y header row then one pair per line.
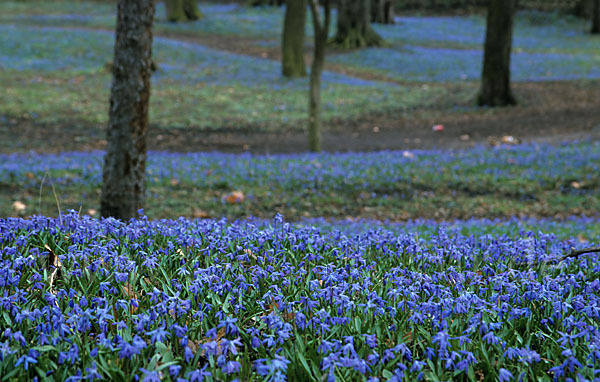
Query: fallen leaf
x,y
130,293
19,206
509,140
234,197
201,214
53,260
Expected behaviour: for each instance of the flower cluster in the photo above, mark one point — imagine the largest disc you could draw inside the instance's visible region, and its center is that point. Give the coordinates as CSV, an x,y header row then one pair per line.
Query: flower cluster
x,y
532,167
205,299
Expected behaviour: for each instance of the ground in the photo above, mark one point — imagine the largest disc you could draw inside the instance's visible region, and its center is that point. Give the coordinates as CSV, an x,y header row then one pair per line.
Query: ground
x,y
547,111
550,112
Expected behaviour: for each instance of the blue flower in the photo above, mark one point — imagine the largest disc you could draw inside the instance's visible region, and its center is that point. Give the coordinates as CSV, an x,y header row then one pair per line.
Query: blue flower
x,y
25,360
150,375
504,375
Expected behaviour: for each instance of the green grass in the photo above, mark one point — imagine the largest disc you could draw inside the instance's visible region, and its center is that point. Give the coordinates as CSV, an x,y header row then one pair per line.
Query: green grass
x,y
52,98
525,180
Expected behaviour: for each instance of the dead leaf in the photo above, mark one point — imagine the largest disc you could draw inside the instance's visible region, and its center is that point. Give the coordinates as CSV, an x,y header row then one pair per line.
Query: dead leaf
x,y
130,293
509,140
201,214
18,206
234,197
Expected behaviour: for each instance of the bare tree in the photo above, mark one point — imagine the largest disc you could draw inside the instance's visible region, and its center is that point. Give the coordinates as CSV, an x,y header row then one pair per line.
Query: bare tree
x,y
382,11
495,78
321,31
292,45
596,17
123,186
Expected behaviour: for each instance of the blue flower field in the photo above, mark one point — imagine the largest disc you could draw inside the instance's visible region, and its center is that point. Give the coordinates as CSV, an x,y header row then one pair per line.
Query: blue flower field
x,y
214,300
475,260
314,299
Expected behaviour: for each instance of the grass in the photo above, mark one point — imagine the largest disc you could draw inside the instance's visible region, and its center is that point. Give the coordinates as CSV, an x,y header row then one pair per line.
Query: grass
x,y
54,58
192,82
536,180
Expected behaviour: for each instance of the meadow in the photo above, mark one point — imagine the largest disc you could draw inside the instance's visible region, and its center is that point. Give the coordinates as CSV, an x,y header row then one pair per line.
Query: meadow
x,y
523,180
357,266
214,300
426,61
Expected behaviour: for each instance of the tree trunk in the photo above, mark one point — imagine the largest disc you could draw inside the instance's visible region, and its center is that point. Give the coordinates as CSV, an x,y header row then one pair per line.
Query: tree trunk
x,y
583,8
321,30
495,79
292,45
123,186
256,3
182,10
353,26
382,11
596,17
314,109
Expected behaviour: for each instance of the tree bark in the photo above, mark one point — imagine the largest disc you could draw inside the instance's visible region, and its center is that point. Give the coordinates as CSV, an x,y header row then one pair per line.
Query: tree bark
x,y
596,17
382,11
292,45
321,30
354,25
256,3
123,186
182,10
495,80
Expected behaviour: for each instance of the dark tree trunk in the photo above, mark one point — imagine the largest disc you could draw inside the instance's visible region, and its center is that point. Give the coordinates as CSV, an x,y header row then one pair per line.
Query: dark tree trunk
x,y
123,186
583,8
292,45
495,79
382,11
182,10
256,3
596,17
354,25
321,29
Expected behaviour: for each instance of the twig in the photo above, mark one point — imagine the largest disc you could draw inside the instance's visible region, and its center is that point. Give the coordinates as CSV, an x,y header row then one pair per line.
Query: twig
x,y
40,198
573,253
56,199
576,252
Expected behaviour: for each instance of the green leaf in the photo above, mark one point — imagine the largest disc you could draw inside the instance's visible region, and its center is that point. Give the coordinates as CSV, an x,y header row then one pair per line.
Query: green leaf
x,y
302,360
387,374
